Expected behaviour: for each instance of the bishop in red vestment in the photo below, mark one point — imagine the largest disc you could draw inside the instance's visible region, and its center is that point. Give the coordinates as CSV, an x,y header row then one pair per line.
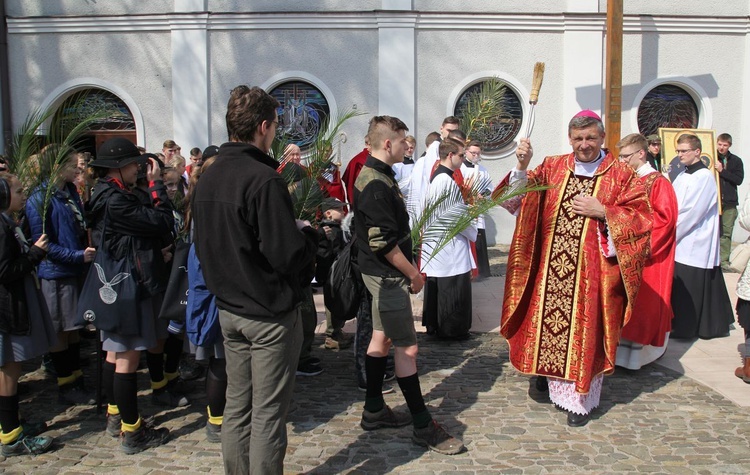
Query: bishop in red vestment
x,y
574,266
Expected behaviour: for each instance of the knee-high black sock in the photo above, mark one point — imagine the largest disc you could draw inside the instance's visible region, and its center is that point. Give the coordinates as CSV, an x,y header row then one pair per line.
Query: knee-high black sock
x,y
414,399
108,378
216,386
375,370
9,413
126,396
155,363
61,362
74,356
173,351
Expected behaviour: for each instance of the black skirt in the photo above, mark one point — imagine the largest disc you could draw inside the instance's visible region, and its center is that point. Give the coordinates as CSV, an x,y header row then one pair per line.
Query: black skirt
x,y
447,306
743,313
700,302
483,258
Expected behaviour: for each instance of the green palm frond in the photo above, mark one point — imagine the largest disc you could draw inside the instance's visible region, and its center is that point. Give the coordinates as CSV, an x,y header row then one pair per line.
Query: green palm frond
x,y
37,156
448,215
306,194
483,107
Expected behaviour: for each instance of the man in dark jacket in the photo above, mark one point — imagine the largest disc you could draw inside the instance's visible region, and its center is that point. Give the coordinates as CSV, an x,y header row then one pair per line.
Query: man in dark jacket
x,y
254,254
731,174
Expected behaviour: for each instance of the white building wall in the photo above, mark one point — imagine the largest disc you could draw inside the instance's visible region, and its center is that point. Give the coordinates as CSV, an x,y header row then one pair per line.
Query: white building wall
x,y
402,57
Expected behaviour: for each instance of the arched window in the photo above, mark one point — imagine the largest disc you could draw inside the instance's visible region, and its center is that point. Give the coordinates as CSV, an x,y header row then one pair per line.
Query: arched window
x,y
113,118
304,111
667,105
503,128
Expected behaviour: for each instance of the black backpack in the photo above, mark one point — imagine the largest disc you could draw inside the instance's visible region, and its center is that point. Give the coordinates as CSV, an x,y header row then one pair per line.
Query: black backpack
x,y
342,291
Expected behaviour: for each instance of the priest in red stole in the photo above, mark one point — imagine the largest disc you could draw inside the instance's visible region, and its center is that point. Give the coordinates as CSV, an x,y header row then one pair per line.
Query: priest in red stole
x,y
574,266
644,338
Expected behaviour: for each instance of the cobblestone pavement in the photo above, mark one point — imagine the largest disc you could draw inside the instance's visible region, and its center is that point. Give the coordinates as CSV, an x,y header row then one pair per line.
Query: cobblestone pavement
x,y
651,420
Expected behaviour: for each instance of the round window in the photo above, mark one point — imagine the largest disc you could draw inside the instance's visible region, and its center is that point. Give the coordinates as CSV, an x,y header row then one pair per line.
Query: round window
x,y
503,127
303,112
667,106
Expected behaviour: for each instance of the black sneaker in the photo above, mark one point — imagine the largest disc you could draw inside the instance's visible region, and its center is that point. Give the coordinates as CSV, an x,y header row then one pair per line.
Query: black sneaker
x,y
114,425
385,390
72,395
27,445
47,365
166,397
435,437
389,376
314,360
541,384
180,386
189,370
309,369
143,438
213,433
383,418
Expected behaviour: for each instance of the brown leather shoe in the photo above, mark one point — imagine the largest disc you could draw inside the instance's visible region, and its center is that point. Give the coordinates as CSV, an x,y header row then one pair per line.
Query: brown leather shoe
x,y
743,372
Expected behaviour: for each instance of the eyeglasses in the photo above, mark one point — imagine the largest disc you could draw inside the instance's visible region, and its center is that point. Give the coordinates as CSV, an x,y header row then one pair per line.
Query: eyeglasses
x,y
472,153
681,152
627,155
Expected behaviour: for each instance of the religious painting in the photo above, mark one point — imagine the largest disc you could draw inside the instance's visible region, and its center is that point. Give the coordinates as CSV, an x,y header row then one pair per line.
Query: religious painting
x,y
303,112
670,161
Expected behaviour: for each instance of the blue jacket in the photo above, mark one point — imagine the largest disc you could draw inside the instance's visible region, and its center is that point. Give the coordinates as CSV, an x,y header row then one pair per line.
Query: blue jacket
x,y
202,316
67,238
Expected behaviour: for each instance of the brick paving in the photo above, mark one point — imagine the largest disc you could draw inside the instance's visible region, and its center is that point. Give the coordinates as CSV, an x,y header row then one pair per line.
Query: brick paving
x,y
653,420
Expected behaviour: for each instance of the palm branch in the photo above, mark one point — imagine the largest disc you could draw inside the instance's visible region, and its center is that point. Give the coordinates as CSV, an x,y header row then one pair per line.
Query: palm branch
x,y
483,107
307,195
448,215
37,157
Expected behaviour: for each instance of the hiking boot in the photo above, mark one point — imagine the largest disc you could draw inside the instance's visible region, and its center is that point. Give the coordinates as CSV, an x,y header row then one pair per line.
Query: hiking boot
x,y
180,386
383,418
114,425
27,445
338,340
435,437
309,369
190,370
167,397
72,395
143,438
213,433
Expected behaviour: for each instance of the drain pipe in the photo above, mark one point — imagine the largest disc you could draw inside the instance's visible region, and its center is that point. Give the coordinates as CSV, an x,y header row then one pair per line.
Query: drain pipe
x,y
5,126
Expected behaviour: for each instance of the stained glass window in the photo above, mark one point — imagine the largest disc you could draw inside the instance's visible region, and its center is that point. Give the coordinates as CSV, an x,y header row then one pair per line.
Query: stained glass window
x,y
667,105
505,126
304,111
113,113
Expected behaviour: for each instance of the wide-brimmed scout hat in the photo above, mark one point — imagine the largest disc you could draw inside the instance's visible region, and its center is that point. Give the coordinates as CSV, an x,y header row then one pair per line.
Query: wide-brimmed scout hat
x,y
116,153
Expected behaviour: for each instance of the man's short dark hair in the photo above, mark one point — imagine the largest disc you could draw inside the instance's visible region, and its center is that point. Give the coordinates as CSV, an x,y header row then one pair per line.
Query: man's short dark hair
x,y
382,127
724,138
431,137
474,143
247,108
692,140
195,151
451,119
584,122
457,134
449,145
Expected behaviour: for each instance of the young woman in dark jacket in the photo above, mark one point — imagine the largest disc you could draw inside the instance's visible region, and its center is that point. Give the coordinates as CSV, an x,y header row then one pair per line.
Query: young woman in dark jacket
x,y
25,327
61,272
134,230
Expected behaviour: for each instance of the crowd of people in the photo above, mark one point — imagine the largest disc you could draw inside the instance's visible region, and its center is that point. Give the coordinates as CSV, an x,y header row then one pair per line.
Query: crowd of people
x,y
610,260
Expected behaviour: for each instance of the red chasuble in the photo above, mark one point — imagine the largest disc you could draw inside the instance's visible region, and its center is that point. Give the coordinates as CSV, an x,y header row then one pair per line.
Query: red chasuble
x,y
565,303
652,312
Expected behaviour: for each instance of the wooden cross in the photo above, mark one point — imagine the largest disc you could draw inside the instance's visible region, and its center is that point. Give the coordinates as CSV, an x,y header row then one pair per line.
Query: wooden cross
x,y
613,89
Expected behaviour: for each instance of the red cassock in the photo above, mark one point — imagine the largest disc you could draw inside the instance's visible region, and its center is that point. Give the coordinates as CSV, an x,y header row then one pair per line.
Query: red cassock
x,y
352,172
652,312
565,302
